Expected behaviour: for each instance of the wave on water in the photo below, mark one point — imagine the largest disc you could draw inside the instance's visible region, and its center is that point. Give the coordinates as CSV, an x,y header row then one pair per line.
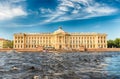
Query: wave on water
x,y
14,65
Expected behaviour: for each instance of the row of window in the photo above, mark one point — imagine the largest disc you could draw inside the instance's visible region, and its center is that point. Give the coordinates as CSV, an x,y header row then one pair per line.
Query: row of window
x,y
101,41
19,41
33,37
101,37
87,37
71,46
18,46
60,41
76,41
18,37
38,37
80,37
30,46
101,46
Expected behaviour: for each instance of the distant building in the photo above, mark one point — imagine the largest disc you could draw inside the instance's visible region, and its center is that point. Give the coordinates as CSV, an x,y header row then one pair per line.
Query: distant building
x,y
60,39
3,43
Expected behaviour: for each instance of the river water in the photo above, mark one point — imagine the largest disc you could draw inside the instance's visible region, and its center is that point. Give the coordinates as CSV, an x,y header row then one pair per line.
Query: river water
x,y
97,65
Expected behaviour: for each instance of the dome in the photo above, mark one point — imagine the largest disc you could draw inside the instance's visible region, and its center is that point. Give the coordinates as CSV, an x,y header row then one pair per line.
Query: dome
x,y
60,30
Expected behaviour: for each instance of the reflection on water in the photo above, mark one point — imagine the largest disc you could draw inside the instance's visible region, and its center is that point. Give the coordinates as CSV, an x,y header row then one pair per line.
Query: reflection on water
x,y
113,65
60,66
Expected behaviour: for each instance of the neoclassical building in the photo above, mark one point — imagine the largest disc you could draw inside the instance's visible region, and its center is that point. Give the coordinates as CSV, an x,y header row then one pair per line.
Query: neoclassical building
x,y
60,39
4,43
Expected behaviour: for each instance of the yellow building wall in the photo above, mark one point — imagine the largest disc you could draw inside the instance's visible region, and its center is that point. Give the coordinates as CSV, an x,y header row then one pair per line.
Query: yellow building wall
x,y
60,41
1,43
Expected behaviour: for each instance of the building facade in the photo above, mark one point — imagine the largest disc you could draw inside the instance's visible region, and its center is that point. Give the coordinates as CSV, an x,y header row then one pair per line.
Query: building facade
x,y
60,39
3,43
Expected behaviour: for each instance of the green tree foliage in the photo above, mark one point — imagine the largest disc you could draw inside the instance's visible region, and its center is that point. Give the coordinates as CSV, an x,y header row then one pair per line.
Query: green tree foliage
x,y
117,42
8,44
114,43
110,43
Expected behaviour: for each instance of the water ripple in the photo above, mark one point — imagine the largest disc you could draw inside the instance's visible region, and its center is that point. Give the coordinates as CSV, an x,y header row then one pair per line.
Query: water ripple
x,y
60,66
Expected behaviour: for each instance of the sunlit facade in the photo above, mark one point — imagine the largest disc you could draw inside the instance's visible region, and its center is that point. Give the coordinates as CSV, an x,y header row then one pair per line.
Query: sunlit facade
x,y
3,43
60,39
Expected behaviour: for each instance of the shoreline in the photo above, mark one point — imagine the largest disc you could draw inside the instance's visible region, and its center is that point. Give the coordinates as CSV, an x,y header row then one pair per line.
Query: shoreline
x,y
64,51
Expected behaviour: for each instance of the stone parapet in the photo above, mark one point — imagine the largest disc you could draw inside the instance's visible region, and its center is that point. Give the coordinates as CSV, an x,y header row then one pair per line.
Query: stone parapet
x,y
103,49
81,50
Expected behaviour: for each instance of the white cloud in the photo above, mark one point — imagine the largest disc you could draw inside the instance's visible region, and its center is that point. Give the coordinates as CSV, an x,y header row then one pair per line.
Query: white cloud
x,y
75,11
100,10
8,11
53,17
84,2
66,3
79,9
16,1
63,8
43,10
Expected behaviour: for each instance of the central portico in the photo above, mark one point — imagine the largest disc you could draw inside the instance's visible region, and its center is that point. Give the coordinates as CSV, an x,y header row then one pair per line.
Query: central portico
x,y
61,38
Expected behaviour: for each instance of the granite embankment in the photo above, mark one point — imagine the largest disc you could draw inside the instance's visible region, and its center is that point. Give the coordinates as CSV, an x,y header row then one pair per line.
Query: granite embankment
x,y
87,50
103,49
20,50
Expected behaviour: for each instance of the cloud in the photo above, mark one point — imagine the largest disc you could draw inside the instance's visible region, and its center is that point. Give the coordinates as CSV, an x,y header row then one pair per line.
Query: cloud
x,y
79,9
44,10
9,11
53,17
66,3
16,1
100,9
66,10
62,8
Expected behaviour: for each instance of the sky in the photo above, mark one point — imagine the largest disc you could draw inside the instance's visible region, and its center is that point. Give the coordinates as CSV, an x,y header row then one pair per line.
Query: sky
x,y
31,16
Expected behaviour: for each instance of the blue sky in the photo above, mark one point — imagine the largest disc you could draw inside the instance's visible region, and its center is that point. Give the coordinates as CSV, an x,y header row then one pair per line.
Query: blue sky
x,y
101,16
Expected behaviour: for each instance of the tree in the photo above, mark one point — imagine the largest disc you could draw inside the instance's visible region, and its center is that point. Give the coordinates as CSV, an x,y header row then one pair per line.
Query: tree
x,y
110,43
117,42
114,43
8,44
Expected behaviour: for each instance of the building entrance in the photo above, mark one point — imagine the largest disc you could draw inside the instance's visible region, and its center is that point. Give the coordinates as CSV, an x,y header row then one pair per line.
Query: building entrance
x,y
60,46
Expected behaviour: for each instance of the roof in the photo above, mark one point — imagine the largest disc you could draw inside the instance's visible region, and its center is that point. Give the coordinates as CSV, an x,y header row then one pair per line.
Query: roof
x,y
2,39
60,30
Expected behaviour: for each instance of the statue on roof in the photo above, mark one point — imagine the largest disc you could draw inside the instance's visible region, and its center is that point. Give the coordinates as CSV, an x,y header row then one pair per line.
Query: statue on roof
x,y
60,27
